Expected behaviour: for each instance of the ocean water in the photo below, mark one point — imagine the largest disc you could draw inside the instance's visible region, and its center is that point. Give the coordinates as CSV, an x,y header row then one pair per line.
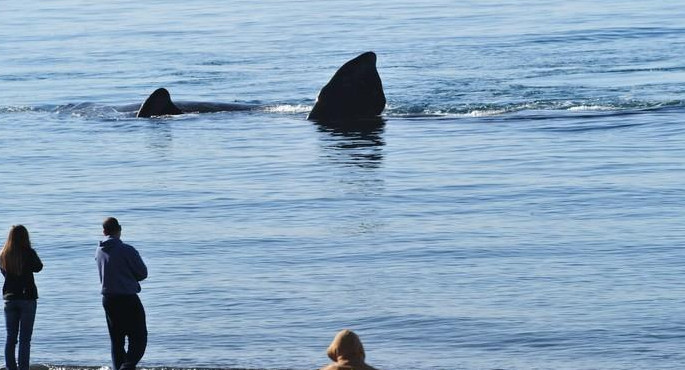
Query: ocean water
x,y
520,207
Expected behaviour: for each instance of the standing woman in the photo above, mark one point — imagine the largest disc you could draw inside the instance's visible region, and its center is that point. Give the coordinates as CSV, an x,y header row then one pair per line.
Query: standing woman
x,y
18,262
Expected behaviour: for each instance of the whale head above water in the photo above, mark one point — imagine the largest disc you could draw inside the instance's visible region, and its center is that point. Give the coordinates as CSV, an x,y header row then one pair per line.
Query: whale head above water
x,y
354,91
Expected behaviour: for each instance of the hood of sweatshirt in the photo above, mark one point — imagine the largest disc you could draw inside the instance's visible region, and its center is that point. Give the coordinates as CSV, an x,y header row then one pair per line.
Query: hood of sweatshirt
x,y
110,243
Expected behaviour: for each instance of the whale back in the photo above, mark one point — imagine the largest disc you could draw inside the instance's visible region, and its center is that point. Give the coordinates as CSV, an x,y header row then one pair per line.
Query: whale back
x,y
158,104
354,91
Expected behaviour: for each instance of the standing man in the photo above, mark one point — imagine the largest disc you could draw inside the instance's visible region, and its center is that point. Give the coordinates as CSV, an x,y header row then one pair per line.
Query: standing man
x,y
121,268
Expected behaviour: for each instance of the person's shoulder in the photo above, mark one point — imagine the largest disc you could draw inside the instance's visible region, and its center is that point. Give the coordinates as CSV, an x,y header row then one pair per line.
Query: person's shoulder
x,y
30,253
131,250
344,367
127,246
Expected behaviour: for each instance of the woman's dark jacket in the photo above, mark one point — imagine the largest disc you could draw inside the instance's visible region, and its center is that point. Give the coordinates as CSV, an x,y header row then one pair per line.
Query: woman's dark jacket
x,y
22,286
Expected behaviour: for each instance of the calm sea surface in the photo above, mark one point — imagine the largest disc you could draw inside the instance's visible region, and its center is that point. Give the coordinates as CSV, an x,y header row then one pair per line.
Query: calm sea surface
x,y
522,207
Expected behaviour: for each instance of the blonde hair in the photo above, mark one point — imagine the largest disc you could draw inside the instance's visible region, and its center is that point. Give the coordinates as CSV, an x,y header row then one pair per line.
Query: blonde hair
x,y
12,255
346,345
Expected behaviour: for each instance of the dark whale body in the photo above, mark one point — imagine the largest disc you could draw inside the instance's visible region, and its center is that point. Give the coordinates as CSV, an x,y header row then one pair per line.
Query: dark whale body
x,y
159,104
354,92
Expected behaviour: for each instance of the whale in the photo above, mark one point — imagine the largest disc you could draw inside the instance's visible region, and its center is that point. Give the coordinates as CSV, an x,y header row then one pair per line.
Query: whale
x,y
354,92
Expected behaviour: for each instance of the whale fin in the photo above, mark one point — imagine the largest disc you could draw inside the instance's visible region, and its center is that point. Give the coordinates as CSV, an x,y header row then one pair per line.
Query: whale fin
x,y
354,91
158,104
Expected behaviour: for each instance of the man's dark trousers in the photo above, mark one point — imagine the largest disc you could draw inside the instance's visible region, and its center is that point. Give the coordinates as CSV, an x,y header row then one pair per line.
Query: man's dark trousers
x,y
125,319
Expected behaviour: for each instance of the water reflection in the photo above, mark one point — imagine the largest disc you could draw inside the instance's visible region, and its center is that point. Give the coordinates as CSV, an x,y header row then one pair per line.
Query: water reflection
x,y
352,153
159,136
355,142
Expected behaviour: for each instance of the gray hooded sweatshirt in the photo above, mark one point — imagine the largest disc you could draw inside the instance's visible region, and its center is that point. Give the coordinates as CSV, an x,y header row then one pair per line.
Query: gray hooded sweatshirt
x,y
120,266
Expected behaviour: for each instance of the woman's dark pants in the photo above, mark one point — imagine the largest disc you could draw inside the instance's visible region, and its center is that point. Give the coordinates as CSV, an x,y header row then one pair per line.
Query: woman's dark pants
x,y
19,317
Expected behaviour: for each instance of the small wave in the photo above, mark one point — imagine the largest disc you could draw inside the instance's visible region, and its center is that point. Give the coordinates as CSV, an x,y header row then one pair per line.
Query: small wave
x,y
88,110
88,367
423,111
288,108
486,113
551,106
591,108
18,109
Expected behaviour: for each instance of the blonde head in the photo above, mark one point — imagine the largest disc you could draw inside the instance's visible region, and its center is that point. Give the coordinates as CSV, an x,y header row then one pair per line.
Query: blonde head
x,y
346,346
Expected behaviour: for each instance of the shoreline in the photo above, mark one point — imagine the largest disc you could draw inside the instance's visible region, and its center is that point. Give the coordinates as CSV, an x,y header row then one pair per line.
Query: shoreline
x,y
91,367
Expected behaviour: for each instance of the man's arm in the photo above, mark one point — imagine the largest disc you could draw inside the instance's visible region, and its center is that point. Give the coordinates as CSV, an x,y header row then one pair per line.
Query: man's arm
x,y
138,266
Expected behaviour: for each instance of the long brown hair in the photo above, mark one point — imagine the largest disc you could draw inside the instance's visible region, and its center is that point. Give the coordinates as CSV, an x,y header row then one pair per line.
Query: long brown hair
x,y
12,255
